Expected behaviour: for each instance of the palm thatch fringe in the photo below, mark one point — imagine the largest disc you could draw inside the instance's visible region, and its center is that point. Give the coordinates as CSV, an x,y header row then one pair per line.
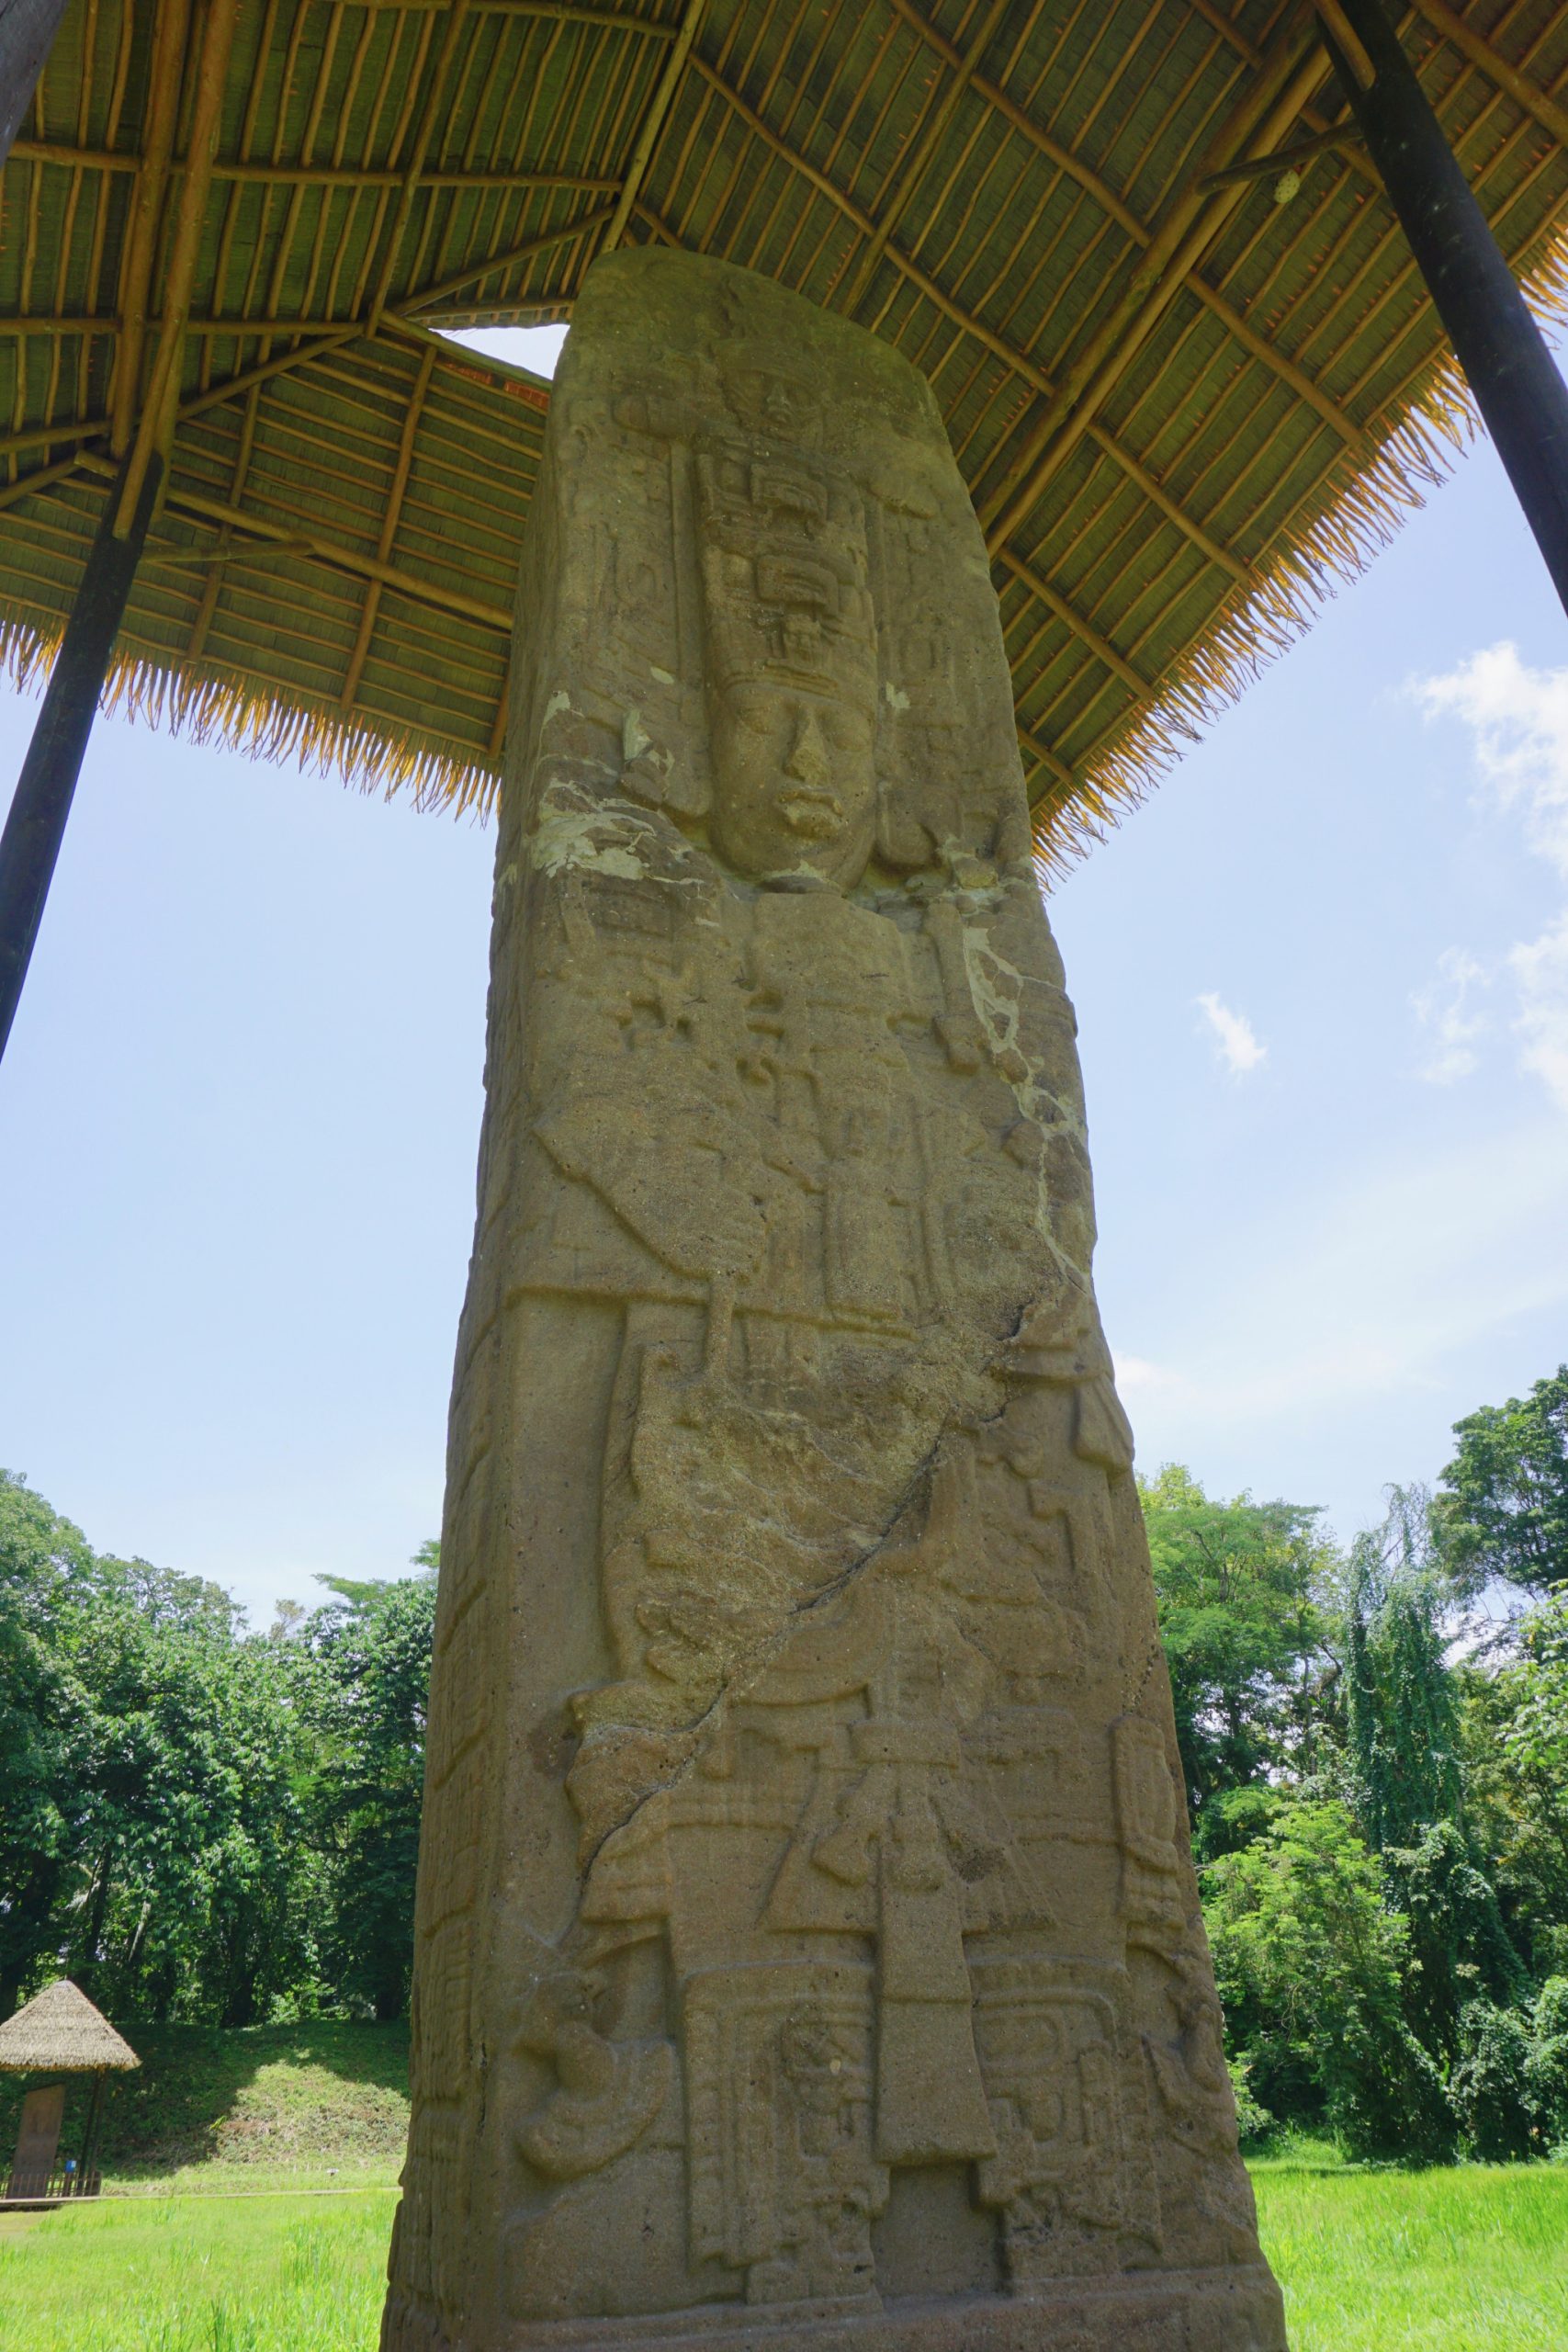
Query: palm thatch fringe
x,y
234,714
1266,615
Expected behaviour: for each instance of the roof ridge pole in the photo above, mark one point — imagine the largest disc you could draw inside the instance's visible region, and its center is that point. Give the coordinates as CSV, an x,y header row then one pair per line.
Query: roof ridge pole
x,y
36,825
1509,369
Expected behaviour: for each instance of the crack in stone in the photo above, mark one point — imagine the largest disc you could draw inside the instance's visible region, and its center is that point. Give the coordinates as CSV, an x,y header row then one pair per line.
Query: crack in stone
x,y
736,1685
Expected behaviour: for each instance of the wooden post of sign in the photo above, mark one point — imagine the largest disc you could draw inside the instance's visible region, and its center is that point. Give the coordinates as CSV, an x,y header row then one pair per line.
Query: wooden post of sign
x,y
36,825
1505,360
37,2142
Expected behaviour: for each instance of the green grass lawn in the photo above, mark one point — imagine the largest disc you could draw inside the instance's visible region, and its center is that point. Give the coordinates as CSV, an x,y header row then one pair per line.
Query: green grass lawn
x,y
1474,2260
199,2274
1470,2260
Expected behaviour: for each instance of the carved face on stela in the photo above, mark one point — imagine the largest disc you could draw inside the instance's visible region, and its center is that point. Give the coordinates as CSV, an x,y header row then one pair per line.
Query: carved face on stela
x,y
791,655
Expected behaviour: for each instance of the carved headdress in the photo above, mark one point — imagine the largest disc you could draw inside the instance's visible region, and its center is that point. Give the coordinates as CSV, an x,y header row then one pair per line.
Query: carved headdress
x,y
786,587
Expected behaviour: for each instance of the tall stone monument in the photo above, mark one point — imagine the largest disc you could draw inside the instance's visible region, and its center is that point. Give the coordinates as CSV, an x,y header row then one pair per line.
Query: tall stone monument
x,y
809,1948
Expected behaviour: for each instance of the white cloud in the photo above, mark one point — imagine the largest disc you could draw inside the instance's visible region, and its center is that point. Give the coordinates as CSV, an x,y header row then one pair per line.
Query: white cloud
x,y
1519,720
1443,1009
1393,1277
1540,967
1233,1032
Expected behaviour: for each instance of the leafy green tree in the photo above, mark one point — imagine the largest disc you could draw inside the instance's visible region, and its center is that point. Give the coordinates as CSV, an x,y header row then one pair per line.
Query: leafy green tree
x,y
1515,1733
1402,1702
1502,1500
1311,1965
1460,1944
42,1713
190,1831
1238,1587
372,1650
196,1822
1496,2087
1538,1734
149,1833
1402,1717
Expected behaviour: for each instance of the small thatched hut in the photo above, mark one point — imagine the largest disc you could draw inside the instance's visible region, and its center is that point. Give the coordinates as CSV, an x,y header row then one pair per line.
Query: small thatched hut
x,y
58,2032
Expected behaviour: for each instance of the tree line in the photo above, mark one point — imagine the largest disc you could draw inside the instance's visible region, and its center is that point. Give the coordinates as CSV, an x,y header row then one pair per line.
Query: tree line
x,y
1375,1744
197,1821
203,1821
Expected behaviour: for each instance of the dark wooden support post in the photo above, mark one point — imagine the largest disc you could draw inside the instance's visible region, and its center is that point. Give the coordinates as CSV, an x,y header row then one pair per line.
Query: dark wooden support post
x,y
1517,389
36,826
88,2157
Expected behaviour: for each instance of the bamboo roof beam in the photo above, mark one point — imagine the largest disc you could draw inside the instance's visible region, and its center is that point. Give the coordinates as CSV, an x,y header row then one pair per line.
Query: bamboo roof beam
x,y
1127,220
165,71
197,643
323,175
97,428
563,12
44,436
156,431
1272,103
321,549
1285,159
336,334
475,273
1278,542
40,479
1215,14
890,209
1100,647
393,233
652,123
1289,370
1489,60
395,496
1040,755
1011,357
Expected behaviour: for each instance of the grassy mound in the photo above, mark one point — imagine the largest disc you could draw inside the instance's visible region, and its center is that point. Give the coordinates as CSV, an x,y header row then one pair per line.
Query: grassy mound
x,y
256,2106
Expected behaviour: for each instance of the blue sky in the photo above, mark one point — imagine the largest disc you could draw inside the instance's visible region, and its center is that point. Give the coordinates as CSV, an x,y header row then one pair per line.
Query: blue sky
x,y
1322,979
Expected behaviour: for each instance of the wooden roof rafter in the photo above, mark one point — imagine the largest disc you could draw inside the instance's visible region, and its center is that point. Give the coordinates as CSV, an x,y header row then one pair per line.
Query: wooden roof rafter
x,y
1173,390
1016,362
1290,614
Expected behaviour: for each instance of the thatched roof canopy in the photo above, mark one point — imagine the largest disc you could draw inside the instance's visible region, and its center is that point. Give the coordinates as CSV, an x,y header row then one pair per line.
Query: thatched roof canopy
x,y
60,2033
1187,410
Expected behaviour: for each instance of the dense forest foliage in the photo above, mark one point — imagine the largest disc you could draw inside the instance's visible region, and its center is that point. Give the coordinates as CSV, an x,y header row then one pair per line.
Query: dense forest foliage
x,y
203,1821
197,1821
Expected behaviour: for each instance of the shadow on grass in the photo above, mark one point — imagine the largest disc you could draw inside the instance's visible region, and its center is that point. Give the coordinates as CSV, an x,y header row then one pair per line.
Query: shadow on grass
x,y
320,2094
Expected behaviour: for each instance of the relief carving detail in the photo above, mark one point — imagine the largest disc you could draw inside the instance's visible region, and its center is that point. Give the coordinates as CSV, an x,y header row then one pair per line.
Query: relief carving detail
x,y
804,1840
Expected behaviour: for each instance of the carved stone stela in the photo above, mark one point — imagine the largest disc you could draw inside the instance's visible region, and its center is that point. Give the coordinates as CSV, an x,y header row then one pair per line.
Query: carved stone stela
x,y
809,1948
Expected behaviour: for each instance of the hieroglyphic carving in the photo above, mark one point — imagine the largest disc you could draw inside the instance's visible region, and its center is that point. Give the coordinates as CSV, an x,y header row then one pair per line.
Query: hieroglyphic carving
x,y
814,1829
785,2180
1068,2175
